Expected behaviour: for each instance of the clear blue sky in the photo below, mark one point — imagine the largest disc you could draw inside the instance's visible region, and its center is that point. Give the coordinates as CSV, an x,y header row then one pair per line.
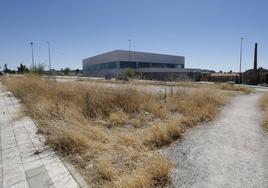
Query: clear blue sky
x,y
206,32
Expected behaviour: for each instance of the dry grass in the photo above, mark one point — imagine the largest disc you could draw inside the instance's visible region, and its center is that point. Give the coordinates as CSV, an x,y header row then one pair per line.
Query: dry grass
x,y
232,87
118,118
200,106
185,84
189,84
154,174
264,106
106,170
110,133
163,133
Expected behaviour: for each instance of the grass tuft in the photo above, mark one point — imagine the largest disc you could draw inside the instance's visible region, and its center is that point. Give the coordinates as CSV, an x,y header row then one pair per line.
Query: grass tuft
x,y
155,174
118,118
163,133
68,141
106,170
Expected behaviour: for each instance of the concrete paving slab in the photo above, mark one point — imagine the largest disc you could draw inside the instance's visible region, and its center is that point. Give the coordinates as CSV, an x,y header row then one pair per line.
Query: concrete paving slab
x,y
13,176
23,184
32,164
38,177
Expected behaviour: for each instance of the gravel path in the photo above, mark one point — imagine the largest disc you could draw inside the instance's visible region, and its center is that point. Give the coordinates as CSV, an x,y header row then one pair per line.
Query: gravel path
x,y
232,151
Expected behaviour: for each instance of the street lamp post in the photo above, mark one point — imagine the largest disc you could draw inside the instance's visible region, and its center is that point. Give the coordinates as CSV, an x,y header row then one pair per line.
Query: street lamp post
x,y
240,65
32,55
49,56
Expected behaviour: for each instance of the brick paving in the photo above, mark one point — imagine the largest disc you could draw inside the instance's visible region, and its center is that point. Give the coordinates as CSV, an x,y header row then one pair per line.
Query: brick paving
x,y
25,161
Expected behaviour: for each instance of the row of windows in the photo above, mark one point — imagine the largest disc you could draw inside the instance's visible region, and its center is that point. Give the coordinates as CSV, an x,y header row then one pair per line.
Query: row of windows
x,y
102,66
133,65
127,64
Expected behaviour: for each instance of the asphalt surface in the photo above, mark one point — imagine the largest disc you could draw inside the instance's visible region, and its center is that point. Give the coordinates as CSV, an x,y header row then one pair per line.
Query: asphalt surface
x,y
231,151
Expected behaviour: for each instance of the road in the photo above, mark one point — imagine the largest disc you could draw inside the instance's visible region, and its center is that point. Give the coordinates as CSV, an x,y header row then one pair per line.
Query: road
x,y
231,151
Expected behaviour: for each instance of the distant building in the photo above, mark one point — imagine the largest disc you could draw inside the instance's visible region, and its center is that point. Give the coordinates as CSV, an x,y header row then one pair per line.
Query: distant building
x,y
221,77
145,65
256,75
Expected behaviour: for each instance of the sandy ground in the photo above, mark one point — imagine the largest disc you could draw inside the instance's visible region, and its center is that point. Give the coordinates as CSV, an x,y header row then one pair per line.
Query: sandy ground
x,y
231,151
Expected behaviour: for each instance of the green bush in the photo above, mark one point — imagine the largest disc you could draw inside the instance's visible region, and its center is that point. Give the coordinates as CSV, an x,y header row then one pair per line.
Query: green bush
x,y
66,71
129,73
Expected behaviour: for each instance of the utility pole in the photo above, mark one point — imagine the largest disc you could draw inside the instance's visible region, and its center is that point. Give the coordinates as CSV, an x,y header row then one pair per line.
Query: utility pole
x,y
32,56
49,57
240,65
129,49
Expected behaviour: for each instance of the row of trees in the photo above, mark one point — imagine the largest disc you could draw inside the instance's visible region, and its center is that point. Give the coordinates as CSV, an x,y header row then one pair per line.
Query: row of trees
x,y
24,69
38,69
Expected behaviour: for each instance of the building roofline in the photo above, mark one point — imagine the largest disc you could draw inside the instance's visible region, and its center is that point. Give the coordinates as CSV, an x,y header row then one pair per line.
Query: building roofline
x,y
118,50
153,53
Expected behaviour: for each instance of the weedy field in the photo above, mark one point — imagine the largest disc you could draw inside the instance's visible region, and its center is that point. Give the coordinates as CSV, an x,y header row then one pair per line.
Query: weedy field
x,y
111,134
264,106
184,84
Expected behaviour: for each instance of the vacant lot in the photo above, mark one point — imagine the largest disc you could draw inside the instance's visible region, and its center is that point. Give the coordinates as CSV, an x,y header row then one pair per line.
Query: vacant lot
x,y
111,134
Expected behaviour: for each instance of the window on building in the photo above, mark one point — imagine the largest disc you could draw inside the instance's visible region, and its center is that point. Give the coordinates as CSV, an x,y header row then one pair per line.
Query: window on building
x,y
168,65
93,67
104,66
112,65
157,65
127,64
144,65
180,66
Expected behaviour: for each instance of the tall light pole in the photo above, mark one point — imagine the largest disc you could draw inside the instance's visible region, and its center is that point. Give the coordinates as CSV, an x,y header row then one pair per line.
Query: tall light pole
x,y
129,49
240,65
32,56
49,57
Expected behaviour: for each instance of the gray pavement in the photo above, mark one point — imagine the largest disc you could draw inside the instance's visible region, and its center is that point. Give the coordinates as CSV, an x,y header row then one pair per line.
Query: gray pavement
x,y
25,161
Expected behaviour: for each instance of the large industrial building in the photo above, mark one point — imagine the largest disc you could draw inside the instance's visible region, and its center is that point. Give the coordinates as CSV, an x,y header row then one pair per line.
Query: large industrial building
x,y
145,65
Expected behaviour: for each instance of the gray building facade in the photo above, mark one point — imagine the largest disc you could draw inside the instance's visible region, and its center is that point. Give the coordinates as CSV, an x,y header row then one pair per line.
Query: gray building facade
x,y
145,65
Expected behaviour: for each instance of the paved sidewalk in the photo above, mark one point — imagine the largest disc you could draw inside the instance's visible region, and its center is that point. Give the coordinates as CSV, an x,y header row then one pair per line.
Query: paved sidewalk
x,y
24,160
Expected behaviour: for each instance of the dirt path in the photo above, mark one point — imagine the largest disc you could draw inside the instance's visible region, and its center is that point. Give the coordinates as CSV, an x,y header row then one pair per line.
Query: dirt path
x,y
232,151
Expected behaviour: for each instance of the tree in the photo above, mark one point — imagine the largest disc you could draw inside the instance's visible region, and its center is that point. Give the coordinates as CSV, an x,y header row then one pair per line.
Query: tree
x,y
7,70
129,73
77,71
126,75
66,71
22,69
